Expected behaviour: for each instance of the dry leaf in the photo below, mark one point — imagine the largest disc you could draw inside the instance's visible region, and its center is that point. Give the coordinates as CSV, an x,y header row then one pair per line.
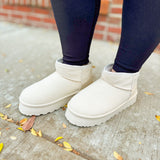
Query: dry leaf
x,y
148,93
13,137
67,145
21,129
39,133
65,105
1,147
60,144
33,132
157,117
76,152
9,105
7,128
23,121
68,149
93,66
64,125
10,120
4,118
1,115
117,156
58,138
28,125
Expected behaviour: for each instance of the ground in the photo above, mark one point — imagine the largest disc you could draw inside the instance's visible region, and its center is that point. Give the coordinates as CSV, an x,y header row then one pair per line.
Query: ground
x,y
28,54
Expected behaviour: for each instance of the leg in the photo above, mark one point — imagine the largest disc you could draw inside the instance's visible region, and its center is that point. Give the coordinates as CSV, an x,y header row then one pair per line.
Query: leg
x,y
76,22
114,92
140,34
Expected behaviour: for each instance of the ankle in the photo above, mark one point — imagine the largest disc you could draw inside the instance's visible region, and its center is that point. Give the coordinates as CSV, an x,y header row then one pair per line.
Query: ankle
x,y
112,70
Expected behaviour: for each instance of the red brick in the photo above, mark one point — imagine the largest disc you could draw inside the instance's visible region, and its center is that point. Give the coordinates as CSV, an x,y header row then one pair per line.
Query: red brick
x,y
8,7
114,30
117,1
16,16
33,18
3,14
102,18
104,7
116,10
49,20
24,9
100,27
41,11
98,36
114,20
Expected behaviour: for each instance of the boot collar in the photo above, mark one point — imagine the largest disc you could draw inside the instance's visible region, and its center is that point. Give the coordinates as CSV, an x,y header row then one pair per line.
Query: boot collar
x,y
122,80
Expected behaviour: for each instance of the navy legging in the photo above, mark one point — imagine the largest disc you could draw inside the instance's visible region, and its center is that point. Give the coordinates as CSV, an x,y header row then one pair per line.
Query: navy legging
x,y
140,35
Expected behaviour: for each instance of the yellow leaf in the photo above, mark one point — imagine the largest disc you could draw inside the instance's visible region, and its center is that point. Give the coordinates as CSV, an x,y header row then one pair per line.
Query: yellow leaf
x,y
21,129
8,106
1,146
0,133
67,145
39,133
148,93
58,138
1,115
68,149
157,117
117,156
4,118
65,105
23,121
64,125
139,142
93,66
33,132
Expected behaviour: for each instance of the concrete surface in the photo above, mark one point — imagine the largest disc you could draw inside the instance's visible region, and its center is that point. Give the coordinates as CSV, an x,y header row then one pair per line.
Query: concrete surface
x,y
28,54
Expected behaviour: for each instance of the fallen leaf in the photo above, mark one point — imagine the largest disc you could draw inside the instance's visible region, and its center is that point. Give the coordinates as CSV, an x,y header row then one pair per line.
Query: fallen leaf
x,y
0,133
7,128
117,156
58,138
39,133
67,145
65,105
28,125
23,121
148,93
76,152
9,105
68,149
60,144
1,115
93,66
33,132
157,117
21,129
4,118
13,137
1,147
10,120
139,142
64,125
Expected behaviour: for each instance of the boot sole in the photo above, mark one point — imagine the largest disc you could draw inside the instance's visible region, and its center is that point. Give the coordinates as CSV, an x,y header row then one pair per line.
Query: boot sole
x,y
41,110
88,122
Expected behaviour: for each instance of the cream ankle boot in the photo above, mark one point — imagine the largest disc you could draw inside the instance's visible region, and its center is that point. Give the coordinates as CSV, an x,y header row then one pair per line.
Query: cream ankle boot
x,y
55,91
104,98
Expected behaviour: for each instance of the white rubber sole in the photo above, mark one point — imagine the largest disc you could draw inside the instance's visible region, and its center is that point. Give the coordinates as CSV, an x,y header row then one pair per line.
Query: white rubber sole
x,y
29,111
88,122
40,110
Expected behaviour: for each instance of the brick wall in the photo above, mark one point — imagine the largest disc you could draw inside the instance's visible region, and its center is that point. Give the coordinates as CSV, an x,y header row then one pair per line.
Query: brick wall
x,y
39,13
